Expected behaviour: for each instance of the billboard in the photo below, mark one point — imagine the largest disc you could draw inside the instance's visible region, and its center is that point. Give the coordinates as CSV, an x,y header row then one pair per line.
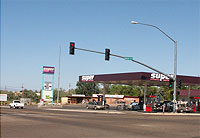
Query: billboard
x,y
48,70
47,91
3,97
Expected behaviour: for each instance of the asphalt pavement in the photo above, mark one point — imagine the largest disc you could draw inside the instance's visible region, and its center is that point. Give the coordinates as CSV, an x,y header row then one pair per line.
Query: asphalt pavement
x,y
64,122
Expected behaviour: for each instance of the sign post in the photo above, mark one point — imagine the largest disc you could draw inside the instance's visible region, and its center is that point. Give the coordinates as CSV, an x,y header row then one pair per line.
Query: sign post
x,y
47,84
3,97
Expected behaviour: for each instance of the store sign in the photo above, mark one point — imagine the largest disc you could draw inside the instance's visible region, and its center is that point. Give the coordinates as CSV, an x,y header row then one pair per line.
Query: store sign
x,y
47,95
88,78
152,96
3,97
159,77
48,86
48,70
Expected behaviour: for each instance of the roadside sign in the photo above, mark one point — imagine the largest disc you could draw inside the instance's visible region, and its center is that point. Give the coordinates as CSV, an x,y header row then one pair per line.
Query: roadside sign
x,y
152,96
128,58
3,97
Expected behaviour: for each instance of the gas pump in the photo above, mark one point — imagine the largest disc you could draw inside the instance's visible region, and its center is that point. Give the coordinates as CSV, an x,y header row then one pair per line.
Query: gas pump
x,y
197,103
150,103
100,99
153,103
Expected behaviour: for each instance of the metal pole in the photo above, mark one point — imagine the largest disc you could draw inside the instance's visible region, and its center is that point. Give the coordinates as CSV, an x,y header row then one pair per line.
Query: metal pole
x,y
175,72
175,59
58,94
42,86
52,88
104,91
22,89
189,92
145,91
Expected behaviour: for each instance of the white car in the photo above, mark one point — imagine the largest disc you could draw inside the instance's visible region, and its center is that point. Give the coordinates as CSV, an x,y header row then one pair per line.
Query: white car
x,y
16,104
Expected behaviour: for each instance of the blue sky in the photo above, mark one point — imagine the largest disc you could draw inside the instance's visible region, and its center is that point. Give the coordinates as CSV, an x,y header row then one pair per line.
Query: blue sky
x,y
33,30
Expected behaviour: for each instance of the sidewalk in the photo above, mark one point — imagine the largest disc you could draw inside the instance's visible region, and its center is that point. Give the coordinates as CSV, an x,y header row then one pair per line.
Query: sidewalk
x,y
166,113
90,111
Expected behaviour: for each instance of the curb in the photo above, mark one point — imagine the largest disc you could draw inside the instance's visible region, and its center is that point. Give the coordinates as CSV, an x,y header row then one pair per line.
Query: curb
x,y
88,111
172,114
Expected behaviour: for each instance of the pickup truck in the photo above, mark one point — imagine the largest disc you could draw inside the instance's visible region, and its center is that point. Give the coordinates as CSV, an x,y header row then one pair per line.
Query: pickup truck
x,y
16,104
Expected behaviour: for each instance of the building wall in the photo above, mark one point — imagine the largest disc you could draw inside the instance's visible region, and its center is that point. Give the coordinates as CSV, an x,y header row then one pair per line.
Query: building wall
x,y
118,100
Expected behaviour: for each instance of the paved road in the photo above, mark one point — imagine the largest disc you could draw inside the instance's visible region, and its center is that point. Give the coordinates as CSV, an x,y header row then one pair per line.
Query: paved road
x,y
43,123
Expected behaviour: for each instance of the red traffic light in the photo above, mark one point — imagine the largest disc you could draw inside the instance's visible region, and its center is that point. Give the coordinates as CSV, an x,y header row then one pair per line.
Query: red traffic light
x,y
72,48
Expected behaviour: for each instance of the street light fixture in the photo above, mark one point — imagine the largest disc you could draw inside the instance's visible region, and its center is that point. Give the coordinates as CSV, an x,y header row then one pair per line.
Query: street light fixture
x,y
134,22
175,58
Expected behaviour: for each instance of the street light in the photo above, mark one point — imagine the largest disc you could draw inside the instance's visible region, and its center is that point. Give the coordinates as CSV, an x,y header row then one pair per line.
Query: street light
x,y
175,57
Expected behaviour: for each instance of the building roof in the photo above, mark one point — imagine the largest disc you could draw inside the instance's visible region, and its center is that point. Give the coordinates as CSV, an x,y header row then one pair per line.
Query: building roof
x,y
139,78
193,93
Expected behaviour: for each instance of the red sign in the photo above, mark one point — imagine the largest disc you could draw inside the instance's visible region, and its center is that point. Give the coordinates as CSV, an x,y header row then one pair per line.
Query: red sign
x,y
196,97
152,96
48,70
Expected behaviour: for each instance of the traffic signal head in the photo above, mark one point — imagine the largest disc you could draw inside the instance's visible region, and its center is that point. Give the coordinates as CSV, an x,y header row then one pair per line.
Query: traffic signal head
x,y
171,81
71,48
107,54
179,83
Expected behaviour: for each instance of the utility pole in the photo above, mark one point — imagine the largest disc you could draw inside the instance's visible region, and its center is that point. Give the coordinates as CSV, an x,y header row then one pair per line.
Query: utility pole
x,y
69,87
58,94
22,89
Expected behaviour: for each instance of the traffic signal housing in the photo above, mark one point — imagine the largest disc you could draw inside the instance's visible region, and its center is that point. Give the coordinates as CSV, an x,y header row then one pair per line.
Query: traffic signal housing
x,y
71,48
107,54
179,83
171,81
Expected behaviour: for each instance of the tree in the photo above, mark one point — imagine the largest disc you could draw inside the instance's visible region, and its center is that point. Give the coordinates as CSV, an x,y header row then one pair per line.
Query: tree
x,y
30,94
165,91
87,88
152,90
62,93
125,90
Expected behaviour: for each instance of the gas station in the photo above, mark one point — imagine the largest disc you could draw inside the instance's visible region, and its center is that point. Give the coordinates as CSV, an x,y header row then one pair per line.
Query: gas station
x,y
141,79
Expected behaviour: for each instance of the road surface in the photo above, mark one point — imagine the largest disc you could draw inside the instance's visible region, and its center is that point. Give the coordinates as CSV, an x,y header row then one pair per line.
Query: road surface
x,y
45,123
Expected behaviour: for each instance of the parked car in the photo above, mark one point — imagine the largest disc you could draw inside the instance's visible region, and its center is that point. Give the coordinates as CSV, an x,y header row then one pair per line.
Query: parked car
x,y
168,106
184,108
95,106
121,106
136,107
16,104
133,106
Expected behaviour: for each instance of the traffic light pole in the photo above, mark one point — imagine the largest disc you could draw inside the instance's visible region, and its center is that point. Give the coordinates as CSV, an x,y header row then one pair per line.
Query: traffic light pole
x,y
175,58
175,73
124,58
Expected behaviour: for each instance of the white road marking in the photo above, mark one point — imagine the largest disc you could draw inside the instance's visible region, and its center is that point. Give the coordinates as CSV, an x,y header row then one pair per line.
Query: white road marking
x,y
145,125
